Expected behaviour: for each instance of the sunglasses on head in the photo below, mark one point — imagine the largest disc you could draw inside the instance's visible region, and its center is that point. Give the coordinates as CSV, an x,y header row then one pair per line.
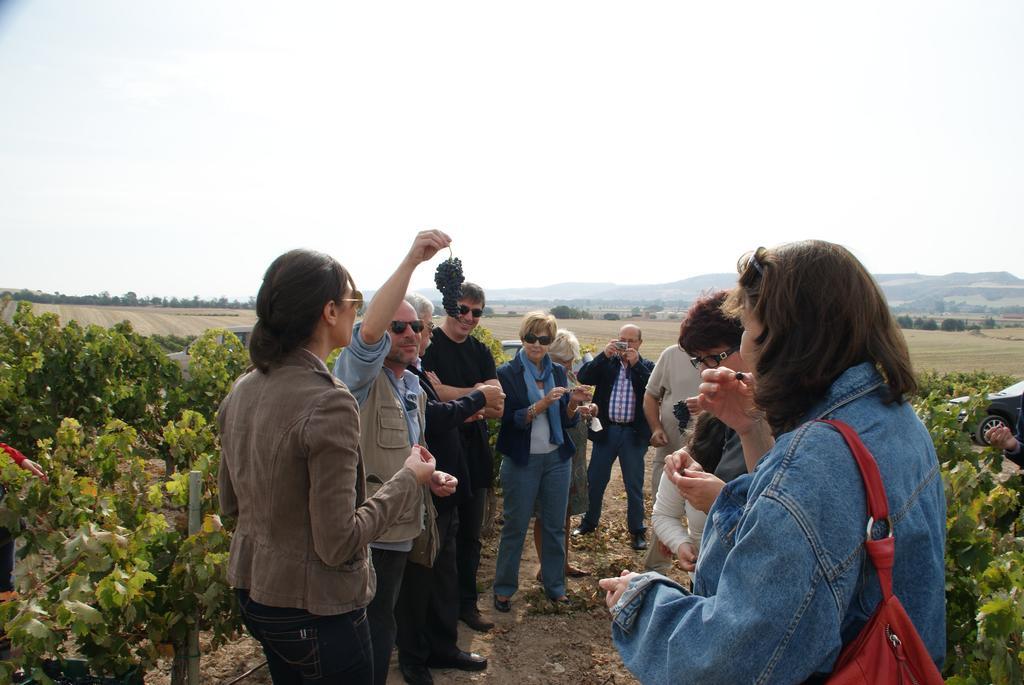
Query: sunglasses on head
x,y
542,339
713,360
399,326
476,311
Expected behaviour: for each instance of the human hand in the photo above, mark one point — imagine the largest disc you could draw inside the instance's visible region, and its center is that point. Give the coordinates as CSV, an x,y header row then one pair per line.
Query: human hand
x,y
475,417
493,395
443,484
554,396
421,462
693,404
612,349
427,244
432,377
730,399
698,488
614,587
687,556
34,469
1001,437
582,394
658,438
681,459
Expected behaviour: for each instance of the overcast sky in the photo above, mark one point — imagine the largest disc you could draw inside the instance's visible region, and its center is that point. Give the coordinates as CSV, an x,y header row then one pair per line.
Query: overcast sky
x,y
175,148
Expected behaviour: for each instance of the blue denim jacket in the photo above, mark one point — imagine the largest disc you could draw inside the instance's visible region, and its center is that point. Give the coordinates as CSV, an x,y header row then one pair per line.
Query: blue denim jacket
x,y
782,579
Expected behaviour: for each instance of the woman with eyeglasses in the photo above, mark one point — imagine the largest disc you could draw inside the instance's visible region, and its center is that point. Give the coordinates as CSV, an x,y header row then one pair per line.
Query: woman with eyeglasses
x,y
292,475
692,481
537,452
783,581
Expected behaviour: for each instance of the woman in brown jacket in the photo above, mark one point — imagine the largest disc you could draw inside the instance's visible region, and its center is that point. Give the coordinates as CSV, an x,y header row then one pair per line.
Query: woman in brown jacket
x,y
292,474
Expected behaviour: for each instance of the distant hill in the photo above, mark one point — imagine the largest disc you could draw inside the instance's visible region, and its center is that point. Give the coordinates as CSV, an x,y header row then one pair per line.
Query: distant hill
x,y
992,289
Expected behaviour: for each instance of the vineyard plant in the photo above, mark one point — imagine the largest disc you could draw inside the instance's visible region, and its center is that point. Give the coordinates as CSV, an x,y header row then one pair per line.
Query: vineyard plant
x,y
106,570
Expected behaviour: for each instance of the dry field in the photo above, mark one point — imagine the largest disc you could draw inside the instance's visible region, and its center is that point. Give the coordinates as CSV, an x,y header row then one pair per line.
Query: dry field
x,y
148,320
1000,350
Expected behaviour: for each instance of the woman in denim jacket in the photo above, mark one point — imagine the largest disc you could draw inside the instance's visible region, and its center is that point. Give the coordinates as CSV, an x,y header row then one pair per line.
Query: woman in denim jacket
x,y
782,581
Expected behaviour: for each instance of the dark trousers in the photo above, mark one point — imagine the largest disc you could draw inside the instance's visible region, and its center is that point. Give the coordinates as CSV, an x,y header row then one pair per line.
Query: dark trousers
x,y
467,546
428,606
6,561
389,566
6,582
621,442
305,648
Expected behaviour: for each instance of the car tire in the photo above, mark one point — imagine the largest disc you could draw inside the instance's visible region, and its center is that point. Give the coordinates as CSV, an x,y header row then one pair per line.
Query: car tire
x,y
989,422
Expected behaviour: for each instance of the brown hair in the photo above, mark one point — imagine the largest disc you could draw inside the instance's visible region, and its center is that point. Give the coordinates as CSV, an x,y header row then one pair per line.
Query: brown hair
x,y
290,301
706,326
822,313
706,441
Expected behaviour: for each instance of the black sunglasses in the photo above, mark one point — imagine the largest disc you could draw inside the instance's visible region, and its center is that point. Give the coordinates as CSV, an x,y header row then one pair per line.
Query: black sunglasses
x,y
477,312
542,339
399,326
713,360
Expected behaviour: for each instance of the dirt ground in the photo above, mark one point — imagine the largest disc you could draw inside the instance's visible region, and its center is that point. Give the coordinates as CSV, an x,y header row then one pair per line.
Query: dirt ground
x,y
535,643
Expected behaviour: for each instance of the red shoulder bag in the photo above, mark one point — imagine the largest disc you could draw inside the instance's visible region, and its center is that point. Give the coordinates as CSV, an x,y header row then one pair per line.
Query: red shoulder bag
x,y
888,649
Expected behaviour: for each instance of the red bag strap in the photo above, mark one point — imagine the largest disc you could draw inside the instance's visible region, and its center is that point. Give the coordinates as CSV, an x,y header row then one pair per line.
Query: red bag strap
x,y
882,552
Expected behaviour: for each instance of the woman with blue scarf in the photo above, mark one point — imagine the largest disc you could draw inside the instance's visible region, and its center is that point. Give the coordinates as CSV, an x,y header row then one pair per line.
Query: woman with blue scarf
x,y
536,463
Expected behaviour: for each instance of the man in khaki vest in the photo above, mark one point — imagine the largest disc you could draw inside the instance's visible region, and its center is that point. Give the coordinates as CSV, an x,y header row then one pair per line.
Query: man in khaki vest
x,y
391,415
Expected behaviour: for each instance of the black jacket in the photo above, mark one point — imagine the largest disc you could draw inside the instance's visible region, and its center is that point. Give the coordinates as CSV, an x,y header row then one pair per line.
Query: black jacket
x,y
442,436
601,373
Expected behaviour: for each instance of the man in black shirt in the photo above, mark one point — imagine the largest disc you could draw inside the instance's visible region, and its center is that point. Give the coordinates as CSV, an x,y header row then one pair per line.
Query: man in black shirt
x,y
460,363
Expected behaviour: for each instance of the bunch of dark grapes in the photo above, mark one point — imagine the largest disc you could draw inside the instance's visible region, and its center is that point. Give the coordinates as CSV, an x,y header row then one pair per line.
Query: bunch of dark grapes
x,y
682,414
448,278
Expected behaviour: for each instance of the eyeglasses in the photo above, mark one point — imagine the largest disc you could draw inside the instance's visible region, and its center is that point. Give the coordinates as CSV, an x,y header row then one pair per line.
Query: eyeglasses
x,y
399,326
476,312
356,297
713,360
542,339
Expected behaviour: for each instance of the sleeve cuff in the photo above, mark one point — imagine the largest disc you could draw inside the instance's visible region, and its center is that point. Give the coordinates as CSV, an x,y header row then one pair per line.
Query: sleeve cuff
x,y
625,611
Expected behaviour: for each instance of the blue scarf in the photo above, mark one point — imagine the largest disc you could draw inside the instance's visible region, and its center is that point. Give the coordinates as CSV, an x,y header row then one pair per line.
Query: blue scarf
x,y
530,376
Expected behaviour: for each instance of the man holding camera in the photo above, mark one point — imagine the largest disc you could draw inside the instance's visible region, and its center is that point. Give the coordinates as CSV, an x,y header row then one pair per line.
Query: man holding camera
x,y
620,378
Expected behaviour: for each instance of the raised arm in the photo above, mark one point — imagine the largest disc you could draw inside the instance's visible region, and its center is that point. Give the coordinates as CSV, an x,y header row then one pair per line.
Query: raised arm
x,y
386,300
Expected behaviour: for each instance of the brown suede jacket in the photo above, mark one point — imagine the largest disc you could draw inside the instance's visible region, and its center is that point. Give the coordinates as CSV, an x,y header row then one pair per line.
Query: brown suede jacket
x,y
291,471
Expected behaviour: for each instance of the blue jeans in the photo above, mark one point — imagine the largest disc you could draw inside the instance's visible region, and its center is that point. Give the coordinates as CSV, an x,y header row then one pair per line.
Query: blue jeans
x,y
621,442
305,648
544,479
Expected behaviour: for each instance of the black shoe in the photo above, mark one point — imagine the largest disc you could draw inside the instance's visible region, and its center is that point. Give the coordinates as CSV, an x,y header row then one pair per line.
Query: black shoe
x,y
416,674
502,605
464,661
640,540
583,529
472,618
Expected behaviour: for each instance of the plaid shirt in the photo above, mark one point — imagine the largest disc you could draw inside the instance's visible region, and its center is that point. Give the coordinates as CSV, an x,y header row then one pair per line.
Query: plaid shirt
x,y
622,405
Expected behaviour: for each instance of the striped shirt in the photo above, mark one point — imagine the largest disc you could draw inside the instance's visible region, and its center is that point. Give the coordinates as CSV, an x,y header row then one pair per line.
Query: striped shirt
x,y
622,405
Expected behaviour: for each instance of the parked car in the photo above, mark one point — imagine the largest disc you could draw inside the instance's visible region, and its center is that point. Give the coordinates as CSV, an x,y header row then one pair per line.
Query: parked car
x,y
1001,411
182,358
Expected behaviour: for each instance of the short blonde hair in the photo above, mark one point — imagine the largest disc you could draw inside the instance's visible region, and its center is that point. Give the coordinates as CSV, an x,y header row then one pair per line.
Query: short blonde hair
x,y
565,348
538,323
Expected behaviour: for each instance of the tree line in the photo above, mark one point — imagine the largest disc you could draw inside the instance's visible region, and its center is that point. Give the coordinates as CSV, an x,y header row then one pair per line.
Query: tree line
x,y
129,299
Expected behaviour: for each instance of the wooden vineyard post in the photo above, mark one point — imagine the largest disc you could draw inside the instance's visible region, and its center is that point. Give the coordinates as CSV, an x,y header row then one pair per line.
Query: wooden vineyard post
x,y
186,661
195,521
